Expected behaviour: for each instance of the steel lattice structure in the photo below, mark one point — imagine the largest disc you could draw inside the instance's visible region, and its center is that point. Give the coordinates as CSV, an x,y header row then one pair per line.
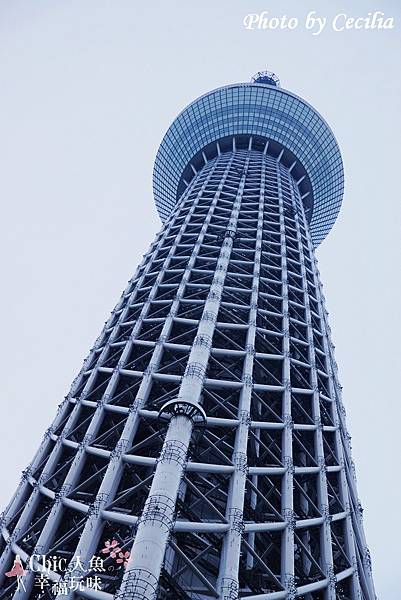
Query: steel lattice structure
x,y
206,431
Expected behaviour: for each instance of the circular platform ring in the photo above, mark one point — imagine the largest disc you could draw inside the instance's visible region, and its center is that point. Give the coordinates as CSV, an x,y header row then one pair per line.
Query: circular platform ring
x,y
182,408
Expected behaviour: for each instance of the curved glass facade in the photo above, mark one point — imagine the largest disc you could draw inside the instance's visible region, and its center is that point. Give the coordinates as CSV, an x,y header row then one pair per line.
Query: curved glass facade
x,y
262,110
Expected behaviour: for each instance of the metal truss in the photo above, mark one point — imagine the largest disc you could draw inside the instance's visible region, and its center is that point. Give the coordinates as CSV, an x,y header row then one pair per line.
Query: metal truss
x,y
206,431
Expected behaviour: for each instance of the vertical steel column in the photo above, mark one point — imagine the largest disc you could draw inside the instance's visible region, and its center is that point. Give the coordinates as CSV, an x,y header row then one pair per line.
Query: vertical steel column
x,y
287,502
323,502
228,572
141,578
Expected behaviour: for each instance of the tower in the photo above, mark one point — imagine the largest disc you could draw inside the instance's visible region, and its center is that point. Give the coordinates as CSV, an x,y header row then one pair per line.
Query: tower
x,y
202,450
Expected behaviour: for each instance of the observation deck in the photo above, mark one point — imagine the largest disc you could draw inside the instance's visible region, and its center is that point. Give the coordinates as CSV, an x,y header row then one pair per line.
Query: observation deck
x,y
249,115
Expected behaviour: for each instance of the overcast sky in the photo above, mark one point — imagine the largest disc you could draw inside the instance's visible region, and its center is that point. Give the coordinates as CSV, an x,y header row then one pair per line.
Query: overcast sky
x,y
87,90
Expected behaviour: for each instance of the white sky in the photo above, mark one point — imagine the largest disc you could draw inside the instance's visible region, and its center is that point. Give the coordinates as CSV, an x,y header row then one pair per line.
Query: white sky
x,y
88,88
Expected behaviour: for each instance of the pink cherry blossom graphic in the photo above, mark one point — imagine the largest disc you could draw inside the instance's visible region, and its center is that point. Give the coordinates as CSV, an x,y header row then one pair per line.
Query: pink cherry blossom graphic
x,y
111,548
123,558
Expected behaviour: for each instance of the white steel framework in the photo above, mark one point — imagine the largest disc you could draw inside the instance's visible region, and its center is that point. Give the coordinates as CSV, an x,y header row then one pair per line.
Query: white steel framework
x,y
206,431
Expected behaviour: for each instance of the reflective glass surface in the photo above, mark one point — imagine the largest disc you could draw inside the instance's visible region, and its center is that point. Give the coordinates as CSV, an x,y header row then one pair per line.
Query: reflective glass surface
x,y
259,110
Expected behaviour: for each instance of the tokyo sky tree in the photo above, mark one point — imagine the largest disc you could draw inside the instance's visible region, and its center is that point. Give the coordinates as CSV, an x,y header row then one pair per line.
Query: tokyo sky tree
x,y
202,451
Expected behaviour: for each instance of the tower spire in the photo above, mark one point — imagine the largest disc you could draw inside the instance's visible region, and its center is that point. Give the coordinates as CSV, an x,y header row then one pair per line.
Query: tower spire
x,y
267,78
